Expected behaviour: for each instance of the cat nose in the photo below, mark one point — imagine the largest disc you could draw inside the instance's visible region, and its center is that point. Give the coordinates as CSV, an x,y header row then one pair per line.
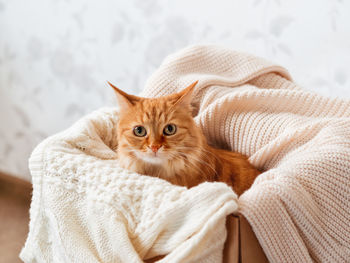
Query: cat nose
x,y
155,148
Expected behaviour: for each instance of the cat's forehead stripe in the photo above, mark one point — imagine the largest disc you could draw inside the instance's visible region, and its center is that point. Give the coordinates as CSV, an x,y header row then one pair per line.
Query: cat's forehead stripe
x,y
154,110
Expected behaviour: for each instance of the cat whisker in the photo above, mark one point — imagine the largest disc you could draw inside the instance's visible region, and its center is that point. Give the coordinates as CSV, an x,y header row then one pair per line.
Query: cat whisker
x,y
197,160
189,166
199,149
205,164
188,157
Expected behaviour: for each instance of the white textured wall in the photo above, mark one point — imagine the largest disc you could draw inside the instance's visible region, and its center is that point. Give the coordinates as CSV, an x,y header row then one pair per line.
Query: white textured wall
x,y
55,55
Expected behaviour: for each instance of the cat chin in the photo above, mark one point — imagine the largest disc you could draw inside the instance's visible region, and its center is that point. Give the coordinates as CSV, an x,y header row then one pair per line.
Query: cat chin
x,y
152,159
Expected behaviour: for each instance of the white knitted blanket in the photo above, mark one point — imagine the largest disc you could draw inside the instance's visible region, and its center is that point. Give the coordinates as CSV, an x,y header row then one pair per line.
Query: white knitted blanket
x,y
86,209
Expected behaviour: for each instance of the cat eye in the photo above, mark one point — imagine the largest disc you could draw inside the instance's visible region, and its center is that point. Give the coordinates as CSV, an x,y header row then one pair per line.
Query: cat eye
x,y
170,129
140,131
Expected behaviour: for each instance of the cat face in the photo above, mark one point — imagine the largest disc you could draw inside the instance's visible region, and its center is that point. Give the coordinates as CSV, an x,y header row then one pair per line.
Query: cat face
x,y
158,130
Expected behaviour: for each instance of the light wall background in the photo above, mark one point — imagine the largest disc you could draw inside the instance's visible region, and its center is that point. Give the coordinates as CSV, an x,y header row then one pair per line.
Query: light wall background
x,y
56,55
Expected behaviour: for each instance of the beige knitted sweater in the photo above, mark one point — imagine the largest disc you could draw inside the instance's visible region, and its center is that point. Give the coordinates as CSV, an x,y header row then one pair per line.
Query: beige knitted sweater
x,y
87,209
300,207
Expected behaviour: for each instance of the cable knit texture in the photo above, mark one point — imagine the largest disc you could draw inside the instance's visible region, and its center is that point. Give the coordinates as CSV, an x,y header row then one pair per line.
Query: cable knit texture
x,y
85,208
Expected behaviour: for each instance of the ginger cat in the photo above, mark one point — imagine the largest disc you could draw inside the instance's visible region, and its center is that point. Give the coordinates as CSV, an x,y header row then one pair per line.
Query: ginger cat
x,y
158,137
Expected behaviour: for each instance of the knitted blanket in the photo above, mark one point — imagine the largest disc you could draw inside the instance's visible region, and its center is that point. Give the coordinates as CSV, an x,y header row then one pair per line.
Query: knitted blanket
x,y
299,208
85,208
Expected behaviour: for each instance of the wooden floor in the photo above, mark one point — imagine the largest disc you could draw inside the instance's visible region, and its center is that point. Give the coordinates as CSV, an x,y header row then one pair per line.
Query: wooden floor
x,y
15,196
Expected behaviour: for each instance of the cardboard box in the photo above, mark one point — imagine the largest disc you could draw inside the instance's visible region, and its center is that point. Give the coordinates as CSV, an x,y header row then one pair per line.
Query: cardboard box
x,y
241,245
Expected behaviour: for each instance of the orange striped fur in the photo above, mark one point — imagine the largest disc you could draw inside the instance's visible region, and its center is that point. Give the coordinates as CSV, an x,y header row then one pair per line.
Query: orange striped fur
x,y
183,158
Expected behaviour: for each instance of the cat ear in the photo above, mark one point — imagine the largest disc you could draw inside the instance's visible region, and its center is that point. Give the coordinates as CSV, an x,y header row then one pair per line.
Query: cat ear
x,y
124,99
185,96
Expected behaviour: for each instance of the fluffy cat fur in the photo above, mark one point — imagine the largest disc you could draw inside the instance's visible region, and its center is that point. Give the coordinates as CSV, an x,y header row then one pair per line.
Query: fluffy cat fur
x,y
183,158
